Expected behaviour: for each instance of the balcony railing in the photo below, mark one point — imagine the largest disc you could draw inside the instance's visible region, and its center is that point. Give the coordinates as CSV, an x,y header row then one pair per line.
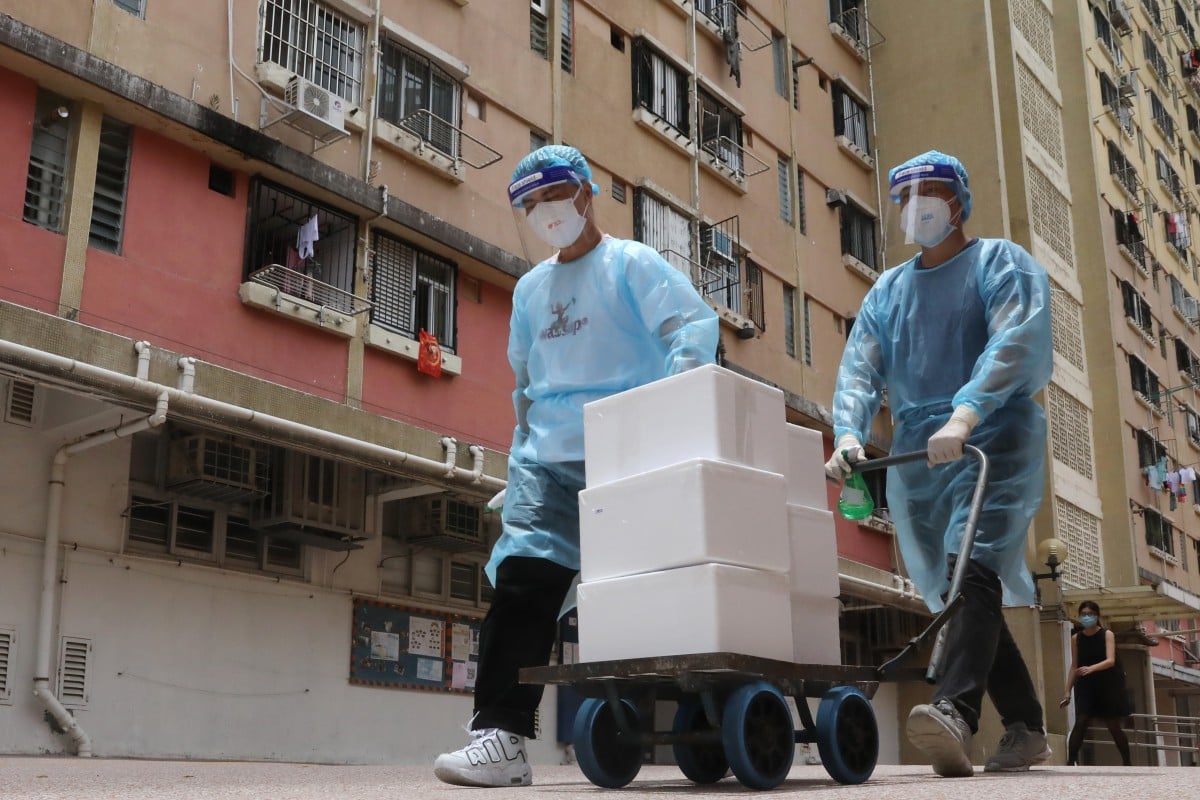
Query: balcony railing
x,y
302,286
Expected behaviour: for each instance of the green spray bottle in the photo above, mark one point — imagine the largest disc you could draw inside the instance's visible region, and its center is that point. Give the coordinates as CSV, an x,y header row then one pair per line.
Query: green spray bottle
x,y
855,502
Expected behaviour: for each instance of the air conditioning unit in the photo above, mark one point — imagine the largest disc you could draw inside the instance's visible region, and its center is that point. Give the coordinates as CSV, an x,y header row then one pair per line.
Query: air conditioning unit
x,y
1127,88
217,467
313,500
447,524
318,111
1119,15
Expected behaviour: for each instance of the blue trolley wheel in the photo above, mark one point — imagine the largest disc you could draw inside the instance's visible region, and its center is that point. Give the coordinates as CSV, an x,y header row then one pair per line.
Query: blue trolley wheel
x,y
606,758
758,736
699,763
847,735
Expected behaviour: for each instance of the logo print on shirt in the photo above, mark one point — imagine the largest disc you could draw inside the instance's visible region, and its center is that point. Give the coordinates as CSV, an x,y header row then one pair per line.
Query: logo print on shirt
x,y
563,325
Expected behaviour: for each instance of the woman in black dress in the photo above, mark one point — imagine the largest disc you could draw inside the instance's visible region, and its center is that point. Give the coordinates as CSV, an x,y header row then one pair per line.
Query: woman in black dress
x,y
1099,683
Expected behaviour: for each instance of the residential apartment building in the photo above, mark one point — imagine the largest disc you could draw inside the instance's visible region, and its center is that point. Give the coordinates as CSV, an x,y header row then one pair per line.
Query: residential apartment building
x,y
1070,116
242,522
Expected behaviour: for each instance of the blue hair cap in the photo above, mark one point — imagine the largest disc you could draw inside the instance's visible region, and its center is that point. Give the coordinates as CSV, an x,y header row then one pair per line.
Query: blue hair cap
x,y
933,166
554,155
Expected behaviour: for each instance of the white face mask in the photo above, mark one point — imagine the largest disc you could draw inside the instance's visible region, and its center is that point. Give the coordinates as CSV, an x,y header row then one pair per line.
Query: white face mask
x,y
557,222
926,220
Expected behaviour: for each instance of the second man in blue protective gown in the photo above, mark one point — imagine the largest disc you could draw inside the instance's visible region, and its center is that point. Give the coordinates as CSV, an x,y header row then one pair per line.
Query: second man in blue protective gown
x,y
601,316
960,338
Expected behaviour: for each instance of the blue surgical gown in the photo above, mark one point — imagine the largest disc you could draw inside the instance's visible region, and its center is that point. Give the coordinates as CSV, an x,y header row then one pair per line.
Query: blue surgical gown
x,y
972,331
618,317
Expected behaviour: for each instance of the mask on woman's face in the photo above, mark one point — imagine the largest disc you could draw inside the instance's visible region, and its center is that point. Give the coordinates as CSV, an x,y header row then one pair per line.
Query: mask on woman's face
x,y
557,222
1088,620
926,220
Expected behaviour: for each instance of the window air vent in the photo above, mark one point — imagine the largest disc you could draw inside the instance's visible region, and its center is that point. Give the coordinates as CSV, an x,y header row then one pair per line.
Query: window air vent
x,y
8,641
19,403
74,660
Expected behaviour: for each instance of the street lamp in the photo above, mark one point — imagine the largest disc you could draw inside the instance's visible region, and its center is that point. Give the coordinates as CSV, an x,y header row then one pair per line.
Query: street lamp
x,y
1051,552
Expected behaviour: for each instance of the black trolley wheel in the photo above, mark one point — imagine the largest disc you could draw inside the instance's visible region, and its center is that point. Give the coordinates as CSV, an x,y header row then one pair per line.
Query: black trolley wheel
x,y
758,736
699,763
605,755
847,735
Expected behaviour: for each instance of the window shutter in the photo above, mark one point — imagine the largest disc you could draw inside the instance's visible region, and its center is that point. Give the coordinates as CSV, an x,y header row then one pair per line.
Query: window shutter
x,y
74,661
112,181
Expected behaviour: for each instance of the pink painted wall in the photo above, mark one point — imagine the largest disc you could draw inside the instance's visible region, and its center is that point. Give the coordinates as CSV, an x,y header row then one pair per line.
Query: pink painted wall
x,y
864,545
475,406
176,281
30,257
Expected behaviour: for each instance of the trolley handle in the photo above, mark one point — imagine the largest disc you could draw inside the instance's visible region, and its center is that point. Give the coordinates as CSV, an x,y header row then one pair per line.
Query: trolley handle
x,y
916,455
960,567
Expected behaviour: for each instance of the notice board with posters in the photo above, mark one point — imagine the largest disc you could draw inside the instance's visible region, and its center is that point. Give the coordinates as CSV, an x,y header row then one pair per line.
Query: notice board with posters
x,y
400,647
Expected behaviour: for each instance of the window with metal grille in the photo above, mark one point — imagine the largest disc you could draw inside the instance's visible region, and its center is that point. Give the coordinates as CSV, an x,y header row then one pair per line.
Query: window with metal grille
x,y
112,182
849,15
789,320
1104,32
784,168
660,87
1145,382
1186,360
315,42
1167,174
567,59
720,131
1150,450
418,96
276,217
135,7
411,290
1160,532
667,230
850,118
808,333
1120,168
207,532
74,660
1154,58
1137,310
1162,118
8,643
779,60
1193,423
1154,12
46,177
464,581
753,295
721,272
858,235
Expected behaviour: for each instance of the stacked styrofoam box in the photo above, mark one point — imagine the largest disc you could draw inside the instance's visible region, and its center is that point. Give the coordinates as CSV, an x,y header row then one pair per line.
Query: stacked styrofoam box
x,y
814,560
683,524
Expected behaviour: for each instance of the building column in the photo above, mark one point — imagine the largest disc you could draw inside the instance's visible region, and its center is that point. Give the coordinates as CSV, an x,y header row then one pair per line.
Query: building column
x,y
81,179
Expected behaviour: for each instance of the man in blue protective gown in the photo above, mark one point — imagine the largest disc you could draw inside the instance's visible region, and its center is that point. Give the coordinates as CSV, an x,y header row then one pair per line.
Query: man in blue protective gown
x,y
601,316
960,338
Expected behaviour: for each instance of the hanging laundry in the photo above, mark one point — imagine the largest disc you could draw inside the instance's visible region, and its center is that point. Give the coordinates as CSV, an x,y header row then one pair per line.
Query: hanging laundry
x,y
1187,475
1173,482
306,236
1183,236
1154,478
1172,504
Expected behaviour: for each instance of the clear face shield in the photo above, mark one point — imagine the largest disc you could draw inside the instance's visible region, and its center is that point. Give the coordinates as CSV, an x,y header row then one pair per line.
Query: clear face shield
x,y
550,210
924,207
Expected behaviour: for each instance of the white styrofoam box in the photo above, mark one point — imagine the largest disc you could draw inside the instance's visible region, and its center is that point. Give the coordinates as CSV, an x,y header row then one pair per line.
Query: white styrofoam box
x,y
707,412
816,633
707,608
814,558
690,513
806,467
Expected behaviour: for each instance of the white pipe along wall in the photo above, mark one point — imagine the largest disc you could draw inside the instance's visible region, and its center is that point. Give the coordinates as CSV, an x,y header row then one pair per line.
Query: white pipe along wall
x,y
265,423
46,606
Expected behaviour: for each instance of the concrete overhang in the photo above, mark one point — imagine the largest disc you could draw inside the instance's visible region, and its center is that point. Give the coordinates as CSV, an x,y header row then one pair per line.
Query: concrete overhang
x,y
1138,603
1184,680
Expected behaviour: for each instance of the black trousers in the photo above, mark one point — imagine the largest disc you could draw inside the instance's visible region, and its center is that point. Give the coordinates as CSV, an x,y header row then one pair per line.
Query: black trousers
x,y
980,655
519,630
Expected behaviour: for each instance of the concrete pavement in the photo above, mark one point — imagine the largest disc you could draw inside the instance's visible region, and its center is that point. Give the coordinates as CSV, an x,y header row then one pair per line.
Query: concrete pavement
x,y
110,779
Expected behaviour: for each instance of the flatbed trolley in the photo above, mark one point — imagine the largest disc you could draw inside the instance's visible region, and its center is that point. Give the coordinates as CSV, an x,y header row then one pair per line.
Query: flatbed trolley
x,y
732,712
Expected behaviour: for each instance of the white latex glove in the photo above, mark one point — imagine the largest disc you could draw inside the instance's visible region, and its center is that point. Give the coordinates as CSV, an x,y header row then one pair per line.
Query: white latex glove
x,y
847,451
497,502
947,444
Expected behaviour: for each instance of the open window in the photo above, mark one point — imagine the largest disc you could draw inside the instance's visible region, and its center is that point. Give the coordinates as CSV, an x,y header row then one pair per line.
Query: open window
x,y
419,97
302,248
660,87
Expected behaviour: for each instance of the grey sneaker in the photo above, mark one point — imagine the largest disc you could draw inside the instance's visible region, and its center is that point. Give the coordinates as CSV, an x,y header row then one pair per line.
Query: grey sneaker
x,y
1020,748
493,758
941,733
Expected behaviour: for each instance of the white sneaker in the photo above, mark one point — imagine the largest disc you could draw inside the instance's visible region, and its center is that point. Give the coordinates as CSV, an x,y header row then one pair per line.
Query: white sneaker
x,y
941,733
493,758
